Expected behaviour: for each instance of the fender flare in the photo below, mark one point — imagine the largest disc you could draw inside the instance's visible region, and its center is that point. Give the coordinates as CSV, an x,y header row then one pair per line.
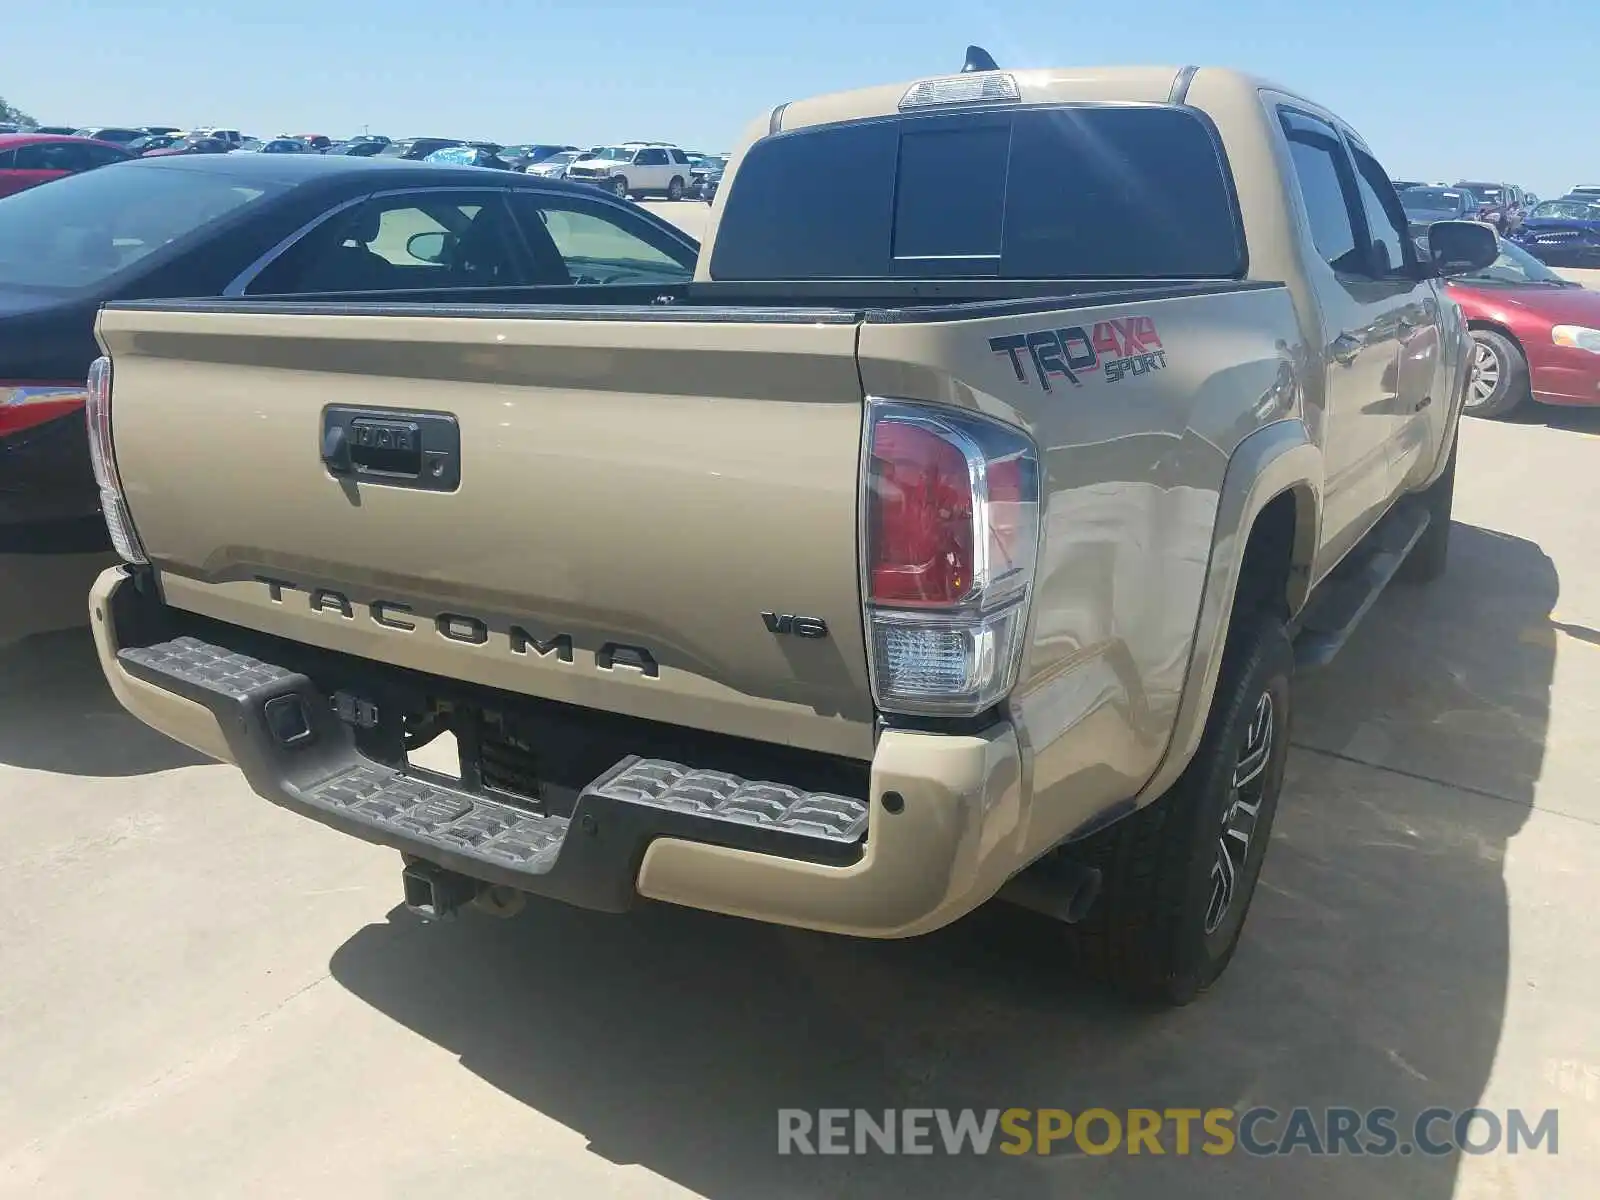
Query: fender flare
x,y
1277,458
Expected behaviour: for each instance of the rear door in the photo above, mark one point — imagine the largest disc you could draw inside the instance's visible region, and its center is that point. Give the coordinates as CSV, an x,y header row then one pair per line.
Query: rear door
x,y
1422,399
1361,327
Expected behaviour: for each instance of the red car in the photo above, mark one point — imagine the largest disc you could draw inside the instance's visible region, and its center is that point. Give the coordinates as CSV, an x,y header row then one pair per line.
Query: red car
x,y
29,159
1537,335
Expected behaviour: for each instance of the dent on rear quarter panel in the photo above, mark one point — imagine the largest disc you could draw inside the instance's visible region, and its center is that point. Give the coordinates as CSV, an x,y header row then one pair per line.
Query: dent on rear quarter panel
x,y
1132,472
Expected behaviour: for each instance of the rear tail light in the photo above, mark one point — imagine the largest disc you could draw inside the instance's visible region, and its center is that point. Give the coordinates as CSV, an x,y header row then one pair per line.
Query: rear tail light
x,y
951,537
97,412
26,404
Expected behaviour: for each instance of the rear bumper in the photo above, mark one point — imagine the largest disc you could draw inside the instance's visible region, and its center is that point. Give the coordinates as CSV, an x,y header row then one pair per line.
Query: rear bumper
x,y
941,844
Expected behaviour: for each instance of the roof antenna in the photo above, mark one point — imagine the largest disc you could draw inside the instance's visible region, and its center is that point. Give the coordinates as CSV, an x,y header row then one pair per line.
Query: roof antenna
x,y
979,59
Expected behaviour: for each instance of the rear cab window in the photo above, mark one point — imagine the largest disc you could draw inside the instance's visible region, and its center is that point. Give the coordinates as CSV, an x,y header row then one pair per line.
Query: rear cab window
x,y
1043,192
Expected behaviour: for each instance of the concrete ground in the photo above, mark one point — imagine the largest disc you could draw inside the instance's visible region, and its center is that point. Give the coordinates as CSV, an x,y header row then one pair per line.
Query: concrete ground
x,y
202,995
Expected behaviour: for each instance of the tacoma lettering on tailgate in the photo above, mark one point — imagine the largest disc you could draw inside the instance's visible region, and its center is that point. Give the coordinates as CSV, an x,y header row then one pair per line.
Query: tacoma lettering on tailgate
x,y
461,627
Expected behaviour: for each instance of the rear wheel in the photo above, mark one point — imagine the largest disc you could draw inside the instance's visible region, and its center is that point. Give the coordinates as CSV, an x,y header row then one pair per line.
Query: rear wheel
x,y
675,189
1179,874
1499,377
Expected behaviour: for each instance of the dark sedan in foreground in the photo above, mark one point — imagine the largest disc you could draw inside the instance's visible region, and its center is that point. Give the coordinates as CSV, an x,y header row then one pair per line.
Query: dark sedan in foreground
x,y
251,225
1563,233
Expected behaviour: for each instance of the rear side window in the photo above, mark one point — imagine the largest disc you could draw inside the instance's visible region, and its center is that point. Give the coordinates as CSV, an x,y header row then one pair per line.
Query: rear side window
x,y
1064,192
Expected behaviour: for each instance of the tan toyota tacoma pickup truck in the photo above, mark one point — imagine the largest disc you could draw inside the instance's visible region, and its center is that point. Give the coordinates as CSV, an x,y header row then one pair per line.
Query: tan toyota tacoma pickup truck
x,y
954,532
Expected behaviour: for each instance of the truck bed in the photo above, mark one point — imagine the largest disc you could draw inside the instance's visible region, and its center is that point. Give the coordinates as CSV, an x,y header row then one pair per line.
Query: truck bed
x,y
648,496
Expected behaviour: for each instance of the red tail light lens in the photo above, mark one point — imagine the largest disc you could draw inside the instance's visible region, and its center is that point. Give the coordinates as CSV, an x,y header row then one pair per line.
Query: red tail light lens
x,y
26,404
919,529
951,526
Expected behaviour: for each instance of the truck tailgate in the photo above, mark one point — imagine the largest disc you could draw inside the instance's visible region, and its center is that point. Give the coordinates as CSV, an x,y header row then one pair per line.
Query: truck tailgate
x,y
641,502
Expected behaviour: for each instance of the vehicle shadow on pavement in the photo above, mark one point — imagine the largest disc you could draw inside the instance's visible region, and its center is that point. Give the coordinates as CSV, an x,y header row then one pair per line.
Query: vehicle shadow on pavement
x,y
58,714
1373,971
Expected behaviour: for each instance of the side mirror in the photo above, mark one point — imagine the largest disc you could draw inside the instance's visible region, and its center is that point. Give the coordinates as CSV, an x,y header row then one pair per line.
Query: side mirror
x,y
426,247
1462,247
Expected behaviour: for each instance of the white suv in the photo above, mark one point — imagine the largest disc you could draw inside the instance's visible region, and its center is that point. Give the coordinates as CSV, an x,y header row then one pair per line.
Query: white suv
x,y
635,169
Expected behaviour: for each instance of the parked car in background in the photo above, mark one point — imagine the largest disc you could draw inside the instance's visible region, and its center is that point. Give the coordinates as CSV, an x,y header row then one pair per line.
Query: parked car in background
x,y
232,137
153,141
1536,335
61,129
1496,204
554,167
29,159
158,130
1585,189
1401,185
192,145
284,145
261,224
706,176
527,154
1563,233
417,148
1425,205
316,141
358,148
636,169
116,134
468,156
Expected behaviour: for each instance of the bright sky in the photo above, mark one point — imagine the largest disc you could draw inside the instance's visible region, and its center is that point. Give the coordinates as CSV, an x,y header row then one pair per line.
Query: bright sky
x,y
1440,89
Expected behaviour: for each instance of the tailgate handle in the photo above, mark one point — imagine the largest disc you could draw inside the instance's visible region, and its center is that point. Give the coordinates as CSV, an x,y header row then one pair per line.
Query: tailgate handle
x,y
392,448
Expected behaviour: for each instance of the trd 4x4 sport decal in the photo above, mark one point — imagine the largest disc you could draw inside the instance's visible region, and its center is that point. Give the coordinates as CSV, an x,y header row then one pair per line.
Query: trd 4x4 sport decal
x,y
1130,346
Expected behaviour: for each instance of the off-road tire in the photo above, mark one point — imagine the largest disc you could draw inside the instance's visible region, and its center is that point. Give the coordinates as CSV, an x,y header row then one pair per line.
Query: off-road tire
x,y
675,189
1431,554
1146,935
1511,383
619,186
